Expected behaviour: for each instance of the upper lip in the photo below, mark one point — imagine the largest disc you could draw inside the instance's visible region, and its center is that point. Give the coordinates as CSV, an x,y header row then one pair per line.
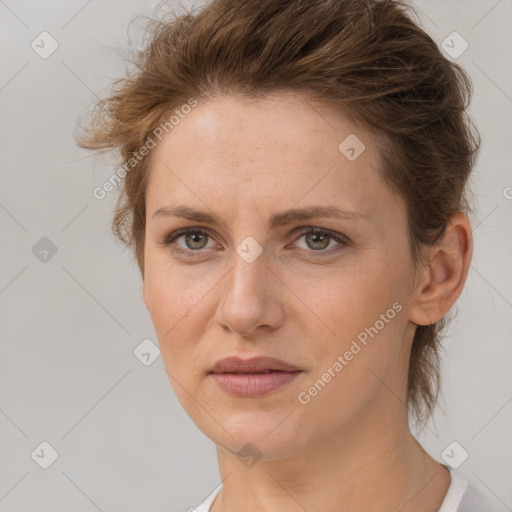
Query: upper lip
x,y
254,365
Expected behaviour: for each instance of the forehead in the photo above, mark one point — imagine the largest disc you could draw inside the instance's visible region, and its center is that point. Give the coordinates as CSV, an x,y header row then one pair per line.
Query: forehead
x,y
263,153
229,127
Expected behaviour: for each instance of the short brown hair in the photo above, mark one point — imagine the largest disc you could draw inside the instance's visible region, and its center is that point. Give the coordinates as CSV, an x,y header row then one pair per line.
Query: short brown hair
x,y
367,56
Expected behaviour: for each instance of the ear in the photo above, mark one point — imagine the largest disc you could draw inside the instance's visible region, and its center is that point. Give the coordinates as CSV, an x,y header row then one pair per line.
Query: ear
x,y
442,280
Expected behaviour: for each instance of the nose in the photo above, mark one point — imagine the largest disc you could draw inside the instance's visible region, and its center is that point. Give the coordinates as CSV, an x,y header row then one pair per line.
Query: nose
x,y
250,300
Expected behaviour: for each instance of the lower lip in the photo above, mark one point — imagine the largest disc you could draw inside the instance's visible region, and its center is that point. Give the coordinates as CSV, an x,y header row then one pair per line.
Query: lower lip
x,y
255,384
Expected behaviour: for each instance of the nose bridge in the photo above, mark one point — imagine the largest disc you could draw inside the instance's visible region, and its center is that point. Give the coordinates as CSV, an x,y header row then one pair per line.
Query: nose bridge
x,y
249,269
249,276
247,301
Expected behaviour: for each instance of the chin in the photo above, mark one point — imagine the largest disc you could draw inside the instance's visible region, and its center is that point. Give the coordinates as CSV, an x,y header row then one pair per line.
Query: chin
x,y
265,434
251,449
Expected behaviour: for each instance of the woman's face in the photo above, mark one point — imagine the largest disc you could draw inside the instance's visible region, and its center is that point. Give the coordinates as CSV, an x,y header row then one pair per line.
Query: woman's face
x,y
332,304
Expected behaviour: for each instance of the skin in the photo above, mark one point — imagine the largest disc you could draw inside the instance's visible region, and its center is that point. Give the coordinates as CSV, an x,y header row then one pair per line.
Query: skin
x,y
350,444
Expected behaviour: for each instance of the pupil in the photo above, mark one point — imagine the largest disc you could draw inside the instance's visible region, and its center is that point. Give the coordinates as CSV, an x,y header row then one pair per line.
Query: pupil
x,y
195,240
317,236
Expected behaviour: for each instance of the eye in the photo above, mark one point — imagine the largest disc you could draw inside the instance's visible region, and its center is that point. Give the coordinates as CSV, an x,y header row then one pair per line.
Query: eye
x,y
195,240
317,240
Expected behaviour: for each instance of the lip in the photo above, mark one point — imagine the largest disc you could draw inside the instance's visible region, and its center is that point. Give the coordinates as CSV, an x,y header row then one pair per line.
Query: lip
x,y
253,365
253,377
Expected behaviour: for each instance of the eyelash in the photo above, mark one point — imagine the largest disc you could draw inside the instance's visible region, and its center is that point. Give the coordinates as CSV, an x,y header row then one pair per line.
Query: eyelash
x,y
169,240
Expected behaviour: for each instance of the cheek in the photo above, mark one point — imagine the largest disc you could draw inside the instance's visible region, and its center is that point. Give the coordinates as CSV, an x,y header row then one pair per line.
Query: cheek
x,y
170,294
360,316
179,300
359,365
343,302
174,310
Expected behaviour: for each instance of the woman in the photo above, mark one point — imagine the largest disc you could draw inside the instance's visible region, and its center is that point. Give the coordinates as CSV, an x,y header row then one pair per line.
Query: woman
x,y
295,194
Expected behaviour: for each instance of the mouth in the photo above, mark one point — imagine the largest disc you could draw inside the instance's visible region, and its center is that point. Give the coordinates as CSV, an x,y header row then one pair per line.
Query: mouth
x,y
253,377
254,365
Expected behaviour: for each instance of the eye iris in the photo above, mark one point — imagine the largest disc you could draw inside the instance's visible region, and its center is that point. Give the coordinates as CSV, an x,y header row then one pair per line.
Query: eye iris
x,y
194,237
316,236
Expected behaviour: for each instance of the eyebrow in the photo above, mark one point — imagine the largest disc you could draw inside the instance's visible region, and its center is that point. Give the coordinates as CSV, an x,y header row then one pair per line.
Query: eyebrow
x,y
277,219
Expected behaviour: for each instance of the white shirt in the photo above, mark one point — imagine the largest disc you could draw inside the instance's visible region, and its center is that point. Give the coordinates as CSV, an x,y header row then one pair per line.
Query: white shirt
x,y
461,497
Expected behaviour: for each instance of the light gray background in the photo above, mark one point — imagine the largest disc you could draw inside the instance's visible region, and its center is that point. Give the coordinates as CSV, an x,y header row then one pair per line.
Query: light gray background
x,y
69,326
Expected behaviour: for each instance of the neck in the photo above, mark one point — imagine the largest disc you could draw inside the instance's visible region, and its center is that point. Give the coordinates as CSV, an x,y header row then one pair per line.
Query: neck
x,y
376,465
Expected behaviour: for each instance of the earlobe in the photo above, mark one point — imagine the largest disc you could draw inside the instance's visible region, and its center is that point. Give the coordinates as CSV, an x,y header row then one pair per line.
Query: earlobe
x,y
443,279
